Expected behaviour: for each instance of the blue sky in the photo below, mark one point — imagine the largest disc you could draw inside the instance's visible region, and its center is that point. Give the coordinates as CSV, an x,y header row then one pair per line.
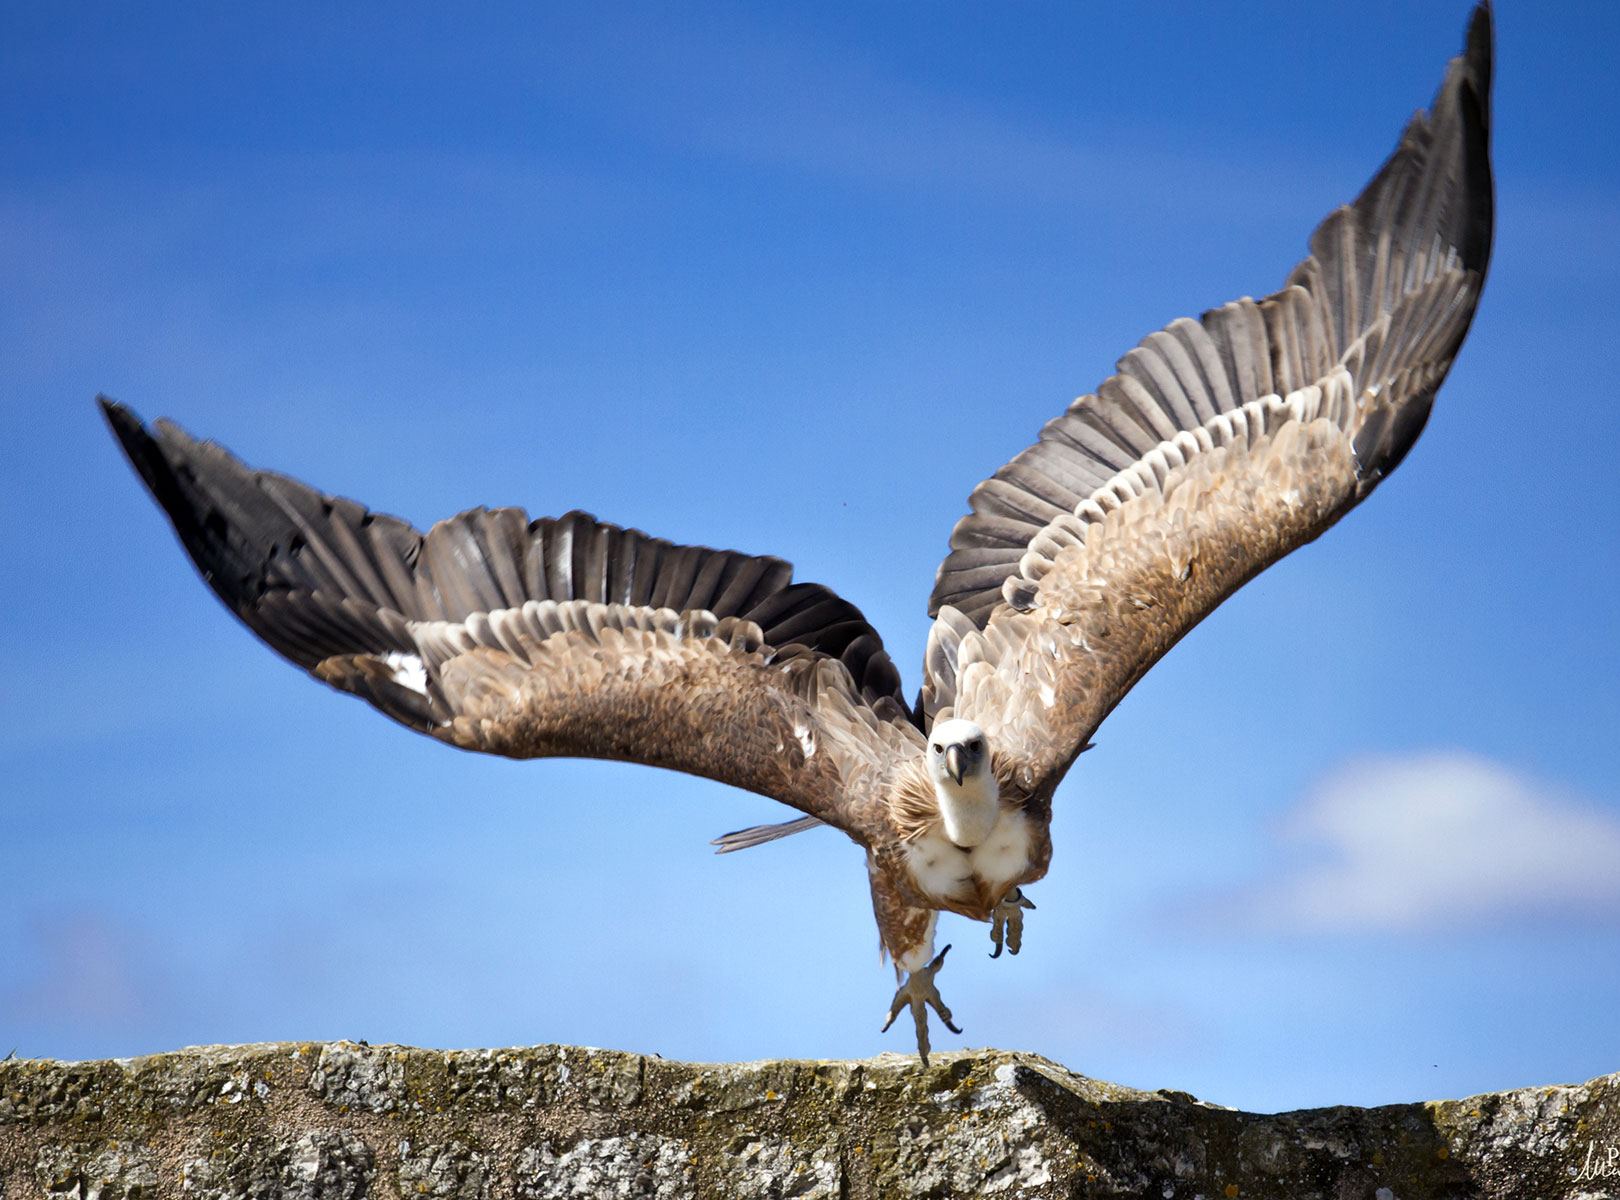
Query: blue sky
x,y
792,281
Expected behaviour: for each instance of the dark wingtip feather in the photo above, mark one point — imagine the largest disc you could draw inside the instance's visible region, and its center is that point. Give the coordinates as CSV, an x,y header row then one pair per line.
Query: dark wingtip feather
x,y
1481,37
1476,111
117,416
142,450
1437,182
145,452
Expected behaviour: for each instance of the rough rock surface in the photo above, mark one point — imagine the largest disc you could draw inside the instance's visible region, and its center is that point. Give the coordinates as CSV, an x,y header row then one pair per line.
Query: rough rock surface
x,y
340,1120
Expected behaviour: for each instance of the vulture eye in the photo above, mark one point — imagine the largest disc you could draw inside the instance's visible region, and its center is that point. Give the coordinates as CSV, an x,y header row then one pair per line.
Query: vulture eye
x,y
976,746
939,749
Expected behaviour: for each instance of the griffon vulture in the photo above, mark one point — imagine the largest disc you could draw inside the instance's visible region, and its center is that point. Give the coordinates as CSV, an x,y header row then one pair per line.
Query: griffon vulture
x,y
1220,445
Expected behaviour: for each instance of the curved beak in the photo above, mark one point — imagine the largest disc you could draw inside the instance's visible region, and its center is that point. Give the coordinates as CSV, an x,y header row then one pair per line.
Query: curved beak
x,y
956,763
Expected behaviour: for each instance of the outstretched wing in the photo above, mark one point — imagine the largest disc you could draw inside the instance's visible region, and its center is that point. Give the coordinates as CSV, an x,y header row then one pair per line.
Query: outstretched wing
x,y
1221,445
565,637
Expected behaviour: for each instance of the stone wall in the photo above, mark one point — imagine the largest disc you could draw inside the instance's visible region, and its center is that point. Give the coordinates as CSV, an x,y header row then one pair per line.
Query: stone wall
x,y
340,1121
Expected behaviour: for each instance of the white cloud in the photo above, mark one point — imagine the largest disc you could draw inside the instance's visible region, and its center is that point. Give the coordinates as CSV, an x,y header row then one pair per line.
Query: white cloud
x,y
1439,841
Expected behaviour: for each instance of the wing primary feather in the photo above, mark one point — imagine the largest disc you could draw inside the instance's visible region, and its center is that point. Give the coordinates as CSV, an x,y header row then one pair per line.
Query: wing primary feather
x,y
706,581
737,594
623,555
502,534
675,578
649,562
455,562
559,558
581,541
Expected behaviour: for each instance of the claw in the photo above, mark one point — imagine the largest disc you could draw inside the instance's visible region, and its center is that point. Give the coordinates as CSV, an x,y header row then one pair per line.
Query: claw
x,y
919,991
1007,920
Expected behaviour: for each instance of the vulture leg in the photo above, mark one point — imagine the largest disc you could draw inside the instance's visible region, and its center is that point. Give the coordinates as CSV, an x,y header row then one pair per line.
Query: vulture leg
x,y
919,991
1007,921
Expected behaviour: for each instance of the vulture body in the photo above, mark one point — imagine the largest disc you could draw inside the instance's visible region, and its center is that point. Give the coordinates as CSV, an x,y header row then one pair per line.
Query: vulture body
x,y
1220,445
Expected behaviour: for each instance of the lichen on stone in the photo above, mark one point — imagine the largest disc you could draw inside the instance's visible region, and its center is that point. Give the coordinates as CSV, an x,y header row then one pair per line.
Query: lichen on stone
x,y
353,1076
621,1167
323,1164
111,1172
449,1171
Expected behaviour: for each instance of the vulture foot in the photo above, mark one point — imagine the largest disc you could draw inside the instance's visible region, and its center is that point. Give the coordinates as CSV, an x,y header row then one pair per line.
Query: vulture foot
x,y
919,991
1007,922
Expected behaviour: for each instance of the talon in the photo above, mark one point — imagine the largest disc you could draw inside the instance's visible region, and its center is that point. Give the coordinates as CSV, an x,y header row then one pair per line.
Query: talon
x,y
1007,921
919,992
